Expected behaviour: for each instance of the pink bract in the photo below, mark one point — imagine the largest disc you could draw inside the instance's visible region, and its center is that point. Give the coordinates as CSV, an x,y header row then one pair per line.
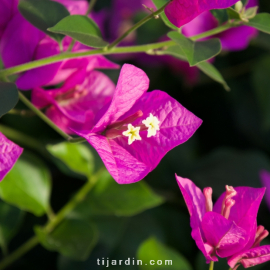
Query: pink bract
x,y
265,180
76,103
233,39
9,153
21,43
180,12
229,229
129,163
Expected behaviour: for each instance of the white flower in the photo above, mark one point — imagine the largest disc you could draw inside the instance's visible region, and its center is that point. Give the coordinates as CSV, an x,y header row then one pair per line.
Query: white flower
x,y
132,133
153,125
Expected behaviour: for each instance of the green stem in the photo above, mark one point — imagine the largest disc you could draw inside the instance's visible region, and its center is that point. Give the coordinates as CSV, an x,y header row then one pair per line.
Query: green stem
x,y
214,31
79,197
23,139
137,25
77,140
53,223
43,117
32,242
118,50
211,266
70,47
64,56
90,7
21,112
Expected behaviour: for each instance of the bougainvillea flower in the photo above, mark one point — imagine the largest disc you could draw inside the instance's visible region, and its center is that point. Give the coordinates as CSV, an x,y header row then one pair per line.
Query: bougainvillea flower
x,y
22,43
265,180
180,12
19,41
7,11
76,103
9,153
236,38
59,72
122,140
229,228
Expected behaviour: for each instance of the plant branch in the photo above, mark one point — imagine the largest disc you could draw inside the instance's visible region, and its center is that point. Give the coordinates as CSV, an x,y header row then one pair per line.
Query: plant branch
x,y
64,56
48,121
26,113
137,25
215,31
118,50
24,139
211,266
43,117
53,222
32,242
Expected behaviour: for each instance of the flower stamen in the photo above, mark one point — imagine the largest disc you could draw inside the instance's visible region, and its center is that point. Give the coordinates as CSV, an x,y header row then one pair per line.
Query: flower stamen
x,y
132,133
152,123
208,199
228,202
260,235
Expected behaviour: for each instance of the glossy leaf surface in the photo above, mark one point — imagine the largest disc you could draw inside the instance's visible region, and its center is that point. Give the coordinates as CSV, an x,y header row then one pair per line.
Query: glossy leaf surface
x,y
82,29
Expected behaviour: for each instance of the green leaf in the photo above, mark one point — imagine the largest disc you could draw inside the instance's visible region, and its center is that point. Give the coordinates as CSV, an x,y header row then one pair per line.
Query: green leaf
x,y
205,67
196,51
213,73
43,14
8,97
27,185
261,81
73,238
81,28
10,219
152,250
159,4
175,51
110,198
261,22
70,157
221,15
233,14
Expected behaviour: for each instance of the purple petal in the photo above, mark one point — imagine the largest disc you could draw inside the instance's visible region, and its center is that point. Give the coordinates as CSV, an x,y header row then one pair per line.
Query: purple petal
x,y
131,85
76,103
19,41
223,234
252,3
195,202
265,180
177,125
180,12
194,199
9,153
204,22
244,212
123,167
75,7
41,76
7,11
251,257
90,63
237,38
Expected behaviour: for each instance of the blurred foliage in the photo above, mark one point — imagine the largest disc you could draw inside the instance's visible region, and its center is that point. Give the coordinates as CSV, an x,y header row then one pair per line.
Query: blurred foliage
x,y
148,219
28,185
73,158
